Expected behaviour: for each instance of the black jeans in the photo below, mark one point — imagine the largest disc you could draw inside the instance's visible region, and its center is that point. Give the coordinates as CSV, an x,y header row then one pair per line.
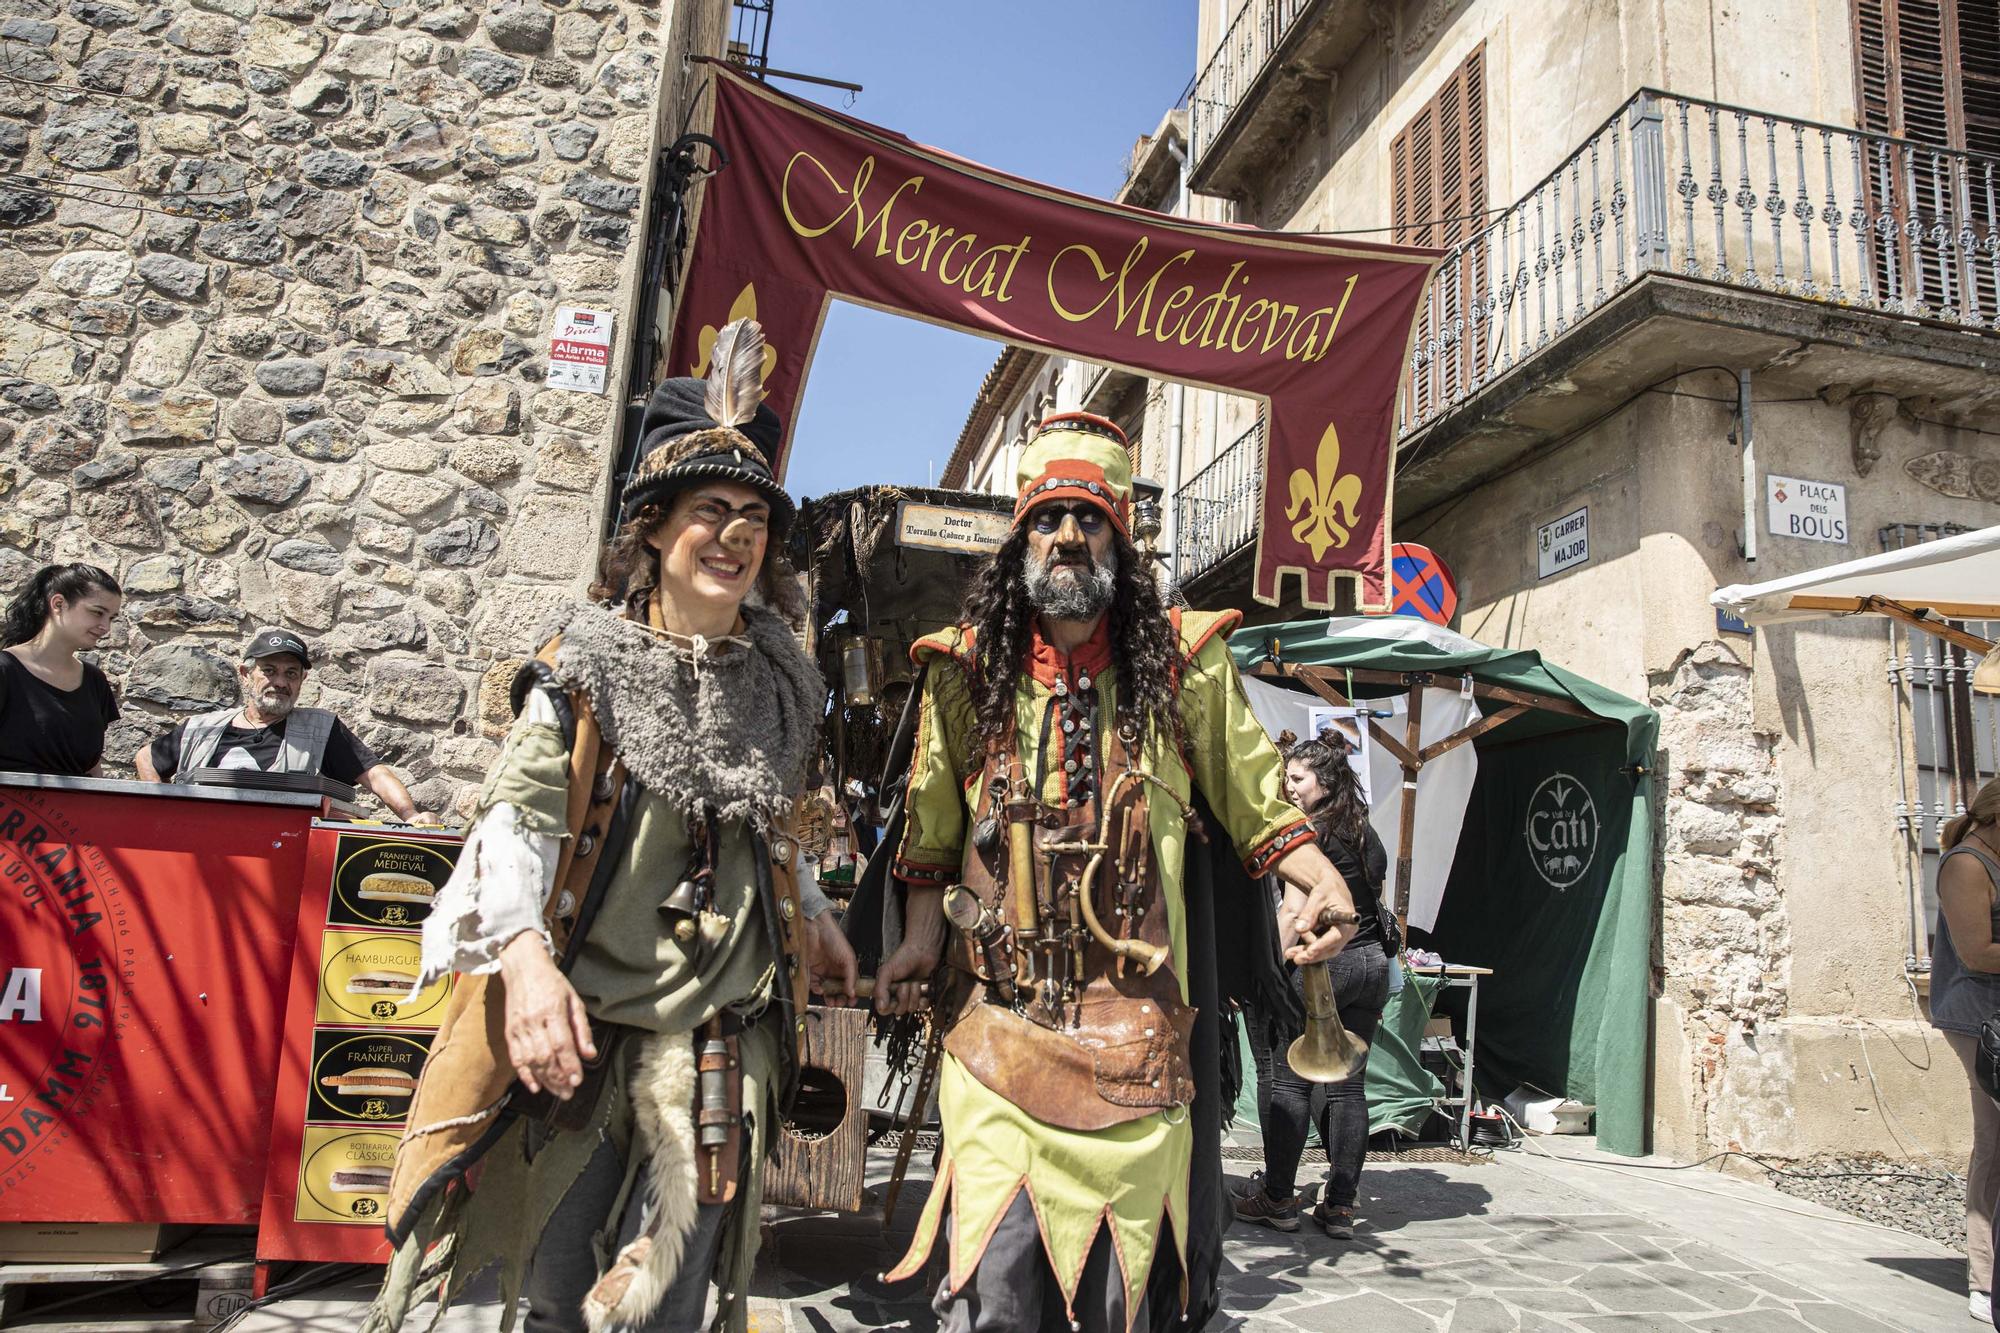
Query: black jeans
x,y
1360,989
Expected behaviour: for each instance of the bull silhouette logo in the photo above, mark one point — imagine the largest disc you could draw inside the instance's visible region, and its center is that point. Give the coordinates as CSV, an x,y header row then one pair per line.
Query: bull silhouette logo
x,y
1562,830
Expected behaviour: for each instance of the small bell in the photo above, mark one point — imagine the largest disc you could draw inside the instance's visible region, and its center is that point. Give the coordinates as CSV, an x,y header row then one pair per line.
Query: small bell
x,y
680,907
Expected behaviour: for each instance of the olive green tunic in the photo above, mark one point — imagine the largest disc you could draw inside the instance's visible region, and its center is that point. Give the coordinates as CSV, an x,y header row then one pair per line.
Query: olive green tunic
x,y
1131,1175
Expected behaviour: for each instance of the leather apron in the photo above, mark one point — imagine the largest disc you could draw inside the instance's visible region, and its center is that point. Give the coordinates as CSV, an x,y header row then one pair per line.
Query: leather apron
x,y
1082,1047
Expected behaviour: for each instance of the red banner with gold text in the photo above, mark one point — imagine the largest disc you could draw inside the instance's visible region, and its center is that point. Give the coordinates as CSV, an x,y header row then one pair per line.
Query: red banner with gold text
x,y
814,206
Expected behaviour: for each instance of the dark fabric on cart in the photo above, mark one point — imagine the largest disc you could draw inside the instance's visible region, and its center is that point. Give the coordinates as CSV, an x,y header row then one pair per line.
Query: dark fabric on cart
x,y
47,730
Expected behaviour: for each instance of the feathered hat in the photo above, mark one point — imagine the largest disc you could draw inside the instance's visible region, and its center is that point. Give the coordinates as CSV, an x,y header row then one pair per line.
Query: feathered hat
x,y
717,429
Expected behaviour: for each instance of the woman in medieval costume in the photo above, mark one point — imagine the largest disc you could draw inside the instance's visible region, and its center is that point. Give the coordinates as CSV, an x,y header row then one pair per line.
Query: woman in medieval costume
x,y
625,922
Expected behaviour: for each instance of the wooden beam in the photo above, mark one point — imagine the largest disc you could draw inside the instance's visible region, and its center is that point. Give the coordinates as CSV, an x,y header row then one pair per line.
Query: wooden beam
x,y
1445,680
1395,747
1406,832
1916,619
1861,605
1477,729
1311,677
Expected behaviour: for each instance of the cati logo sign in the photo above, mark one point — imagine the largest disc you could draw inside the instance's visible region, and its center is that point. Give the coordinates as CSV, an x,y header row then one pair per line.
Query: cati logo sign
x,y
1562,830
1814,511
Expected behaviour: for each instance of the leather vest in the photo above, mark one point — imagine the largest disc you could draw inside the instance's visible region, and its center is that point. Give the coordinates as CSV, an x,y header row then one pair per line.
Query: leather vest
x,y
1091,1040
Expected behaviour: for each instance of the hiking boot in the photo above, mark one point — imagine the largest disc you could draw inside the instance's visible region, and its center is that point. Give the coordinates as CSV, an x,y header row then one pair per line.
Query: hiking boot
x,y
1337,1223
1253,1205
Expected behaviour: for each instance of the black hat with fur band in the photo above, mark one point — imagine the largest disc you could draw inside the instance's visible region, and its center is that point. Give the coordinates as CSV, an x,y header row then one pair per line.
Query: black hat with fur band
x,y
717,429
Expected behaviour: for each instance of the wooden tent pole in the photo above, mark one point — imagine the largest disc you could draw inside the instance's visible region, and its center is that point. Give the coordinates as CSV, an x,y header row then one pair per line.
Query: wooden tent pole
x,y
1407,826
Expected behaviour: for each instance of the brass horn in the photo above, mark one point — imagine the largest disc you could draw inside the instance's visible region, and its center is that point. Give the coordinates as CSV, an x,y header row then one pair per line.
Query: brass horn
x,y
1326,1052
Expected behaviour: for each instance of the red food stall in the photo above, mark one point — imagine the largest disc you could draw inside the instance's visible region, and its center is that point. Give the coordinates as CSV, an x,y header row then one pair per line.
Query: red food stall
x,y
205,1015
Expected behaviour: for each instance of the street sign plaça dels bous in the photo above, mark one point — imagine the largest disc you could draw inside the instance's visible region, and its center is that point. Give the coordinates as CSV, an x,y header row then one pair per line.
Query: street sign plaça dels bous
x,y
1814,511
1563,544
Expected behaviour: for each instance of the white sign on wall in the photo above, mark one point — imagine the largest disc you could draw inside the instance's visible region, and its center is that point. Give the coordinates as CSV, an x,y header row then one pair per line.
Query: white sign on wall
x,y
1814,511
579,349
1563,544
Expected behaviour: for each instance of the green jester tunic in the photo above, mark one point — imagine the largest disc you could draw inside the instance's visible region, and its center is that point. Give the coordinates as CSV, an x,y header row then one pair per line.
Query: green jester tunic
x,y
1131,1175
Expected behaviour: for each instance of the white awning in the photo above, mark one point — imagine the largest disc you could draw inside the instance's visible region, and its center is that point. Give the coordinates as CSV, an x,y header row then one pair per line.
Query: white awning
x,y
1957,578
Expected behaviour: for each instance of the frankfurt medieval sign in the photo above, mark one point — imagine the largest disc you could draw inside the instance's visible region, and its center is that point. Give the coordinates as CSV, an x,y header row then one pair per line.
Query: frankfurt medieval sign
x,y
814,205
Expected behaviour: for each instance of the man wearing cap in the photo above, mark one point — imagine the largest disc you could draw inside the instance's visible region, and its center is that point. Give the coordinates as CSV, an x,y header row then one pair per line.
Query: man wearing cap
x,y
1065,728
271,734
631,944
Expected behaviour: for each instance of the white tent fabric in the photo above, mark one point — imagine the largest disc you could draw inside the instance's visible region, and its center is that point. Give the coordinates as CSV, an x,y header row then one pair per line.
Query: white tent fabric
x,y
1443,785
1958,577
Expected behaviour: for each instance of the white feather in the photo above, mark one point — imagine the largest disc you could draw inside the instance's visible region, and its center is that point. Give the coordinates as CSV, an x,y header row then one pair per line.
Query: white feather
x,y
736,373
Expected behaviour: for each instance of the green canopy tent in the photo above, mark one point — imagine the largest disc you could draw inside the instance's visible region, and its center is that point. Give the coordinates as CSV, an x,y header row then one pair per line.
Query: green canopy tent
x,y
1569,940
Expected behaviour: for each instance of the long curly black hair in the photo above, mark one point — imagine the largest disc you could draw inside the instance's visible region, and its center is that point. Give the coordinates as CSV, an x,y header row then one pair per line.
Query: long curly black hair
x,y
1144,647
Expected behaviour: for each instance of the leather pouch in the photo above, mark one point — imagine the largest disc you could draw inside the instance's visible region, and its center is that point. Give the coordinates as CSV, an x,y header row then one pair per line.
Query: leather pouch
x,y
1060,1080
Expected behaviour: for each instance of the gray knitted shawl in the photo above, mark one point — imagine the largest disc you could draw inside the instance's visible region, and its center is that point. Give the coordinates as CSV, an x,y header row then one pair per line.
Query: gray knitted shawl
x,y
731,728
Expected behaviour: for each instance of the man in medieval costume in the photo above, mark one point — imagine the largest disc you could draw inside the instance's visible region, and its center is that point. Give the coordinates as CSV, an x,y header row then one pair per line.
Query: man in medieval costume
x,y
629,936
1065,729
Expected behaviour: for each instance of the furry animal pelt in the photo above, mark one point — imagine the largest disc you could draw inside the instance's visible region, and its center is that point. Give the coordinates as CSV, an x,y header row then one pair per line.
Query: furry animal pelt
x,y
729,727
663,1118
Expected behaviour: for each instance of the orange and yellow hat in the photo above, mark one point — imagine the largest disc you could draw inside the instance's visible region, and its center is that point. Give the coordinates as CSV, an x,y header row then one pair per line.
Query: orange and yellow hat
x,y
1077,456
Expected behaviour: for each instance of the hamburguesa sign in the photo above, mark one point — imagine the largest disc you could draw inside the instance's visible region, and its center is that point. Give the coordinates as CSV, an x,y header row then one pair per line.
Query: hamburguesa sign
x,y
814,206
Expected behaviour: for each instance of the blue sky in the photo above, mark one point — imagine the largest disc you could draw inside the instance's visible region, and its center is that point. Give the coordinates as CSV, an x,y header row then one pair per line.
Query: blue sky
x,y
1056,92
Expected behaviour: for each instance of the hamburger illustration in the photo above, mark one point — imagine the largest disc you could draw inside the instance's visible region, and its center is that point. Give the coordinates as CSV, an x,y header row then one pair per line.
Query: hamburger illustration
x,y
360,1180
371,1081
390,886
382,981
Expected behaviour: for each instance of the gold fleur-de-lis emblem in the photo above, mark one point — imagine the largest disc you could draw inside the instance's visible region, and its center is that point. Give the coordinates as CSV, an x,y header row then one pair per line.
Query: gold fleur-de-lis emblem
x,y
744,307
1327,498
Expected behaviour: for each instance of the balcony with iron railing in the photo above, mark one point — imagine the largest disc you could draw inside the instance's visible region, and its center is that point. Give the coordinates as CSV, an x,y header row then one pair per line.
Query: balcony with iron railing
x,y
1273,59
1741,234
1215,513
1701,190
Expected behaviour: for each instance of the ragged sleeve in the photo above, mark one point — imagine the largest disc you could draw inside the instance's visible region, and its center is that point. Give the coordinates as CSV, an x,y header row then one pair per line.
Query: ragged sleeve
x,y
1235,763
505,870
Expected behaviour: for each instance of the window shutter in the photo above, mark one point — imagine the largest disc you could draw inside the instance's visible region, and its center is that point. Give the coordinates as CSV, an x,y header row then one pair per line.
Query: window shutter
x,y
1871,45
1437,184
1929,71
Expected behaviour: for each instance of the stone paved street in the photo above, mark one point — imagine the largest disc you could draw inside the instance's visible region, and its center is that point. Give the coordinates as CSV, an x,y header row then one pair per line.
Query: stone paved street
x,y
1523,1244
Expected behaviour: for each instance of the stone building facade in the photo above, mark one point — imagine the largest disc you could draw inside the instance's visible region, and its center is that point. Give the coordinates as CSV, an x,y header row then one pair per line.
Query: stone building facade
x,y
1606,334
278,279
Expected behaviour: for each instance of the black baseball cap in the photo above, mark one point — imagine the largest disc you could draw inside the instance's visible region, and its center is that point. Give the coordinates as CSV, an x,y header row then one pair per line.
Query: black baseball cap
x,y
272,642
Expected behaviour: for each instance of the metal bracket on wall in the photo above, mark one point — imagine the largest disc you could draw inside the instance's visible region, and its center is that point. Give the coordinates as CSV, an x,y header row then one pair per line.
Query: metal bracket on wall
x,y
676,171
1740,436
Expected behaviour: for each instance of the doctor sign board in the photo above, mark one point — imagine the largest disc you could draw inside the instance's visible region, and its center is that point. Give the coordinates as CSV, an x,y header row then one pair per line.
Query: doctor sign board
x,y
1814,511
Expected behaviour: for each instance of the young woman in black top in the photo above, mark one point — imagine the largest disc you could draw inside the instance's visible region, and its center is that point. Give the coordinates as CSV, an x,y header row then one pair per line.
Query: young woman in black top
x,y
54,708
1319,780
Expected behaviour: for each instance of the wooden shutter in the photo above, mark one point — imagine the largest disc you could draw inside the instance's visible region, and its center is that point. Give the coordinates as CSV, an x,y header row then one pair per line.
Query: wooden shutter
x,y
1437,189
1928,71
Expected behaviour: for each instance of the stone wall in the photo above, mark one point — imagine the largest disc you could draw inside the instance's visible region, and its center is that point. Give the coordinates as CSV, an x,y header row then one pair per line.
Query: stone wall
x,y
277,278
1724,949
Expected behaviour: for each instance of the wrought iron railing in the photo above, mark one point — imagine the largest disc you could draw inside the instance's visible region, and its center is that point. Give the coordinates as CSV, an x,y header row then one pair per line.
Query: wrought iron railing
x,y
1216,512
1252,36
1701,189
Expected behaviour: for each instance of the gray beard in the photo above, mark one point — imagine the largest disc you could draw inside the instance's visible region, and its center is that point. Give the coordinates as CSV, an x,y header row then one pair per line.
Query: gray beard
x,y
1084,597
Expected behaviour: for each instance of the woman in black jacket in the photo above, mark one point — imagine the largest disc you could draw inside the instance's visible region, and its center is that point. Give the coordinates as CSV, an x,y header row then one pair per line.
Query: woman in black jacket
x,y
1321,782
